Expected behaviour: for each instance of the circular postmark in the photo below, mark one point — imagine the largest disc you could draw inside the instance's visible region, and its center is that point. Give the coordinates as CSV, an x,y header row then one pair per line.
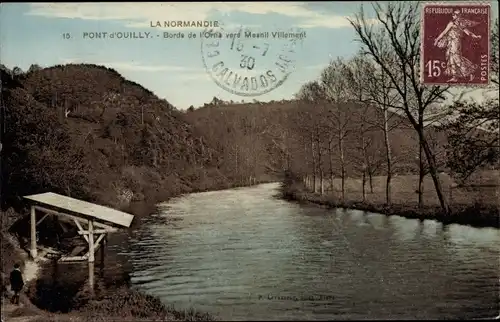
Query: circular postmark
x,y
247,62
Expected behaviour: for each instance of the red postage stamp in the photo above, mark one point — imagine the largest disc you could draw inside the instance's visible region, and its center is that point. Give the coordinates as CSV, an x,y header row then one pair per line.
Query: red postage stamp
x,y
455,44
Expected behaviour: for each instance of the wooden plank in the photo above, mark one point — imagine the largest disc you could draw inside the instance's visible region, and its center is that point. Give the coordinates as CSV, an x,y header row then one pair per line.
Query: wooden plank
x,y
53,255
38,222
96,244
81,229
97,224
76,250
90,210
73,259
96,231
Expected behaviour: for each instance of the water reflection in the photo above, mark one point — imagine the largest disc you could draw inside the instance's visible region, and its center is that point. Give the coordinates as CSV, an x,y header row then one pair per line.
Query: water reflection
x,y
431,229
245,255
405,230
377,221
464,236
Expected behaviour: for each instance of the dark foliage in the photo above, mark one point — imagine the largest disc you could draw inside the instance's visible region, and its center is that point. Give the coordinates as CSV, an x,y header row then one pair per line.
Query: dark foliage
x,y
86,132
473,138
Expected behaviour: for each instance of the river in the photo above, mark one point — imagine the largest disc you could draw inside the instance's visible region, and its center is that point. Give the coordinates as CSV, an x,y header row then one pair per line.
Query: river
x,y
243,254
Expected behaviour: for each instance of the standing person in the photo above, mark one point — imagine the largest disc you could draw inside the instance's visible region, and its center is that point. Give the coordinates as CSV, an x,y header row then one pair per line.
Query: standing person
x,y
457,66
16,283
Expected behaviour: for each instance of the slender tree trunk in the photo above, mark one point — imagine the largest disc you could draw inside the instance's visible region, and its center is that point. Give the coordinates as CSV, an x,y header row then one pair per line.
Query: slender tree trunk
x,y
421,175
389,158
342,164
320,163
370,178
364,183
433,172
330,157
321,181
365,159
236,167
314,164
306,166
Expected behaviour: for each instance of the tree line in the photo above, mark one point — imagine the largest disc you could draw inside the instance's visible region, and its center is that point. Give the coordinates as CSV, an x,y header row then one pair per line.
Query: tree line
x,y
384,77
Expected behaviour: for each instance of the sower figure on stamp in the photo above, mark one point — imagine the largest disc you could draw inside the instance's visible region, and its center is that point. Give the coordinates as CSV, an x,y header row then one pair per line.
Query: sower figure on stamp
x,y
451,39
17,283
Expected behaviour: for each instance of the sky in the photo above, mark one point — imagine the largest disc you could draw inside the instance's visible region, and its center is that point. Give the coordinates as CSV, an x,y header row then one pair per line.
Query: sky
x,y
182,70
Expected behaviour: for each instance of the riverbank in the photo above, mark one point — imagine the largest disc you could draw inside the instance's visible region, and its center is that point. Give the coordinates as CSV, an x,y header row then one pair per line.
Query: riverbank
x,y
60,293
476,214
56,292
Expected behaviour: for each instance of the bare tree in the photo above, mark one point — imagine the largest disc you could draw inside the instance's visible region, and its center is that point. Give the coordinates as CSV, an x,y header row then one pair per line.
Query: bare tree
x,y
375,160
363,145
358,77
381,96
394,44
331,145
423,168
311,96
335,90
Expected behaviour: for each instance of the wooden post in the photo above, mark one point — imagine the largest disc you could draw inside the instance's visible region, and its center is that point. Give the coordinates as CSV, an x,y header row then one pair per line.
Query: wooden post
x,y
91,277
54,271
102,255
33,233
91,254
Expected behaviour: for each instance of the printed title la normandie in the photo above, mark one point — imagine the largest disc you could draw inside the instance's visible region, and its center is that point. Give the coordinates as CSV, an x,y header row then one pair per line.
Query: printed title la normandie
x,y
184,24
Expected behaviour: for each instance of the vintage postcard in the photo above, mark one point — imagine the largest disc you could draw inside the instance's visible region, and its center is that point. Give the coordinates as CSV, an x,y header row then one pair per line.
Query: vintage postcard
x,y
232,161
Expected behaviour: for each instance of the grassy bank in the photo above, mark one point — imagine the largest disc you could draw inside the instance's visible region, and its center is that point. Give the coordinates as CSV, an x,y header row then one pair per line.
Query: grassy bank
x,y
474,207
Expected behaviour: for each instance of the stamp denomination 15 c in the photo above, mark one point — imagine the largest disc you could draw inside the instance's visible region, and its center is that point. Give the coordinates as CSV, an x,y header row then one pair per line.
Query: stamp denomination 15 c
x,y
455,44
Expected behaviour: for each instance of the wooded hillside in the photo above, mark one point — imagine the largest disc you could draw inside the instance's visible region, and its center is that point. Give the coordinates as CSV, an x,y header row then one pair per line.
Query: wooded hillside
x,y
85,131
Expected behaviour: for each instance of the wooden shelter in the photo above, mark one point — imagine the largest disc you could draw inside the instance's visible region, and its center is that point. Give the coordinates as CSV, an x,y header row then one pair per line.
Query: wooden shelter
x,y
98,221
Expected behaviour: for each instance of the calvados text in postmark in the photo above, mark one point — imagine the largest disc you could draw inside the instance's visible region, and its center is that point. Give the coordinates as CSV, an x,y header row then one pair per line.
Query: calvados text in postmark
x,y
455,44
247,62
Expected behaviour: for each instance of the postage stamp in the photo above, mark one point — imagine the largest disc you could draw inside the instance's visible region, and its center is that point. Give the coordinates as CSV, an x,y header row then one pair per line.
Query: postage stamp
x,y
455,44
246,62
